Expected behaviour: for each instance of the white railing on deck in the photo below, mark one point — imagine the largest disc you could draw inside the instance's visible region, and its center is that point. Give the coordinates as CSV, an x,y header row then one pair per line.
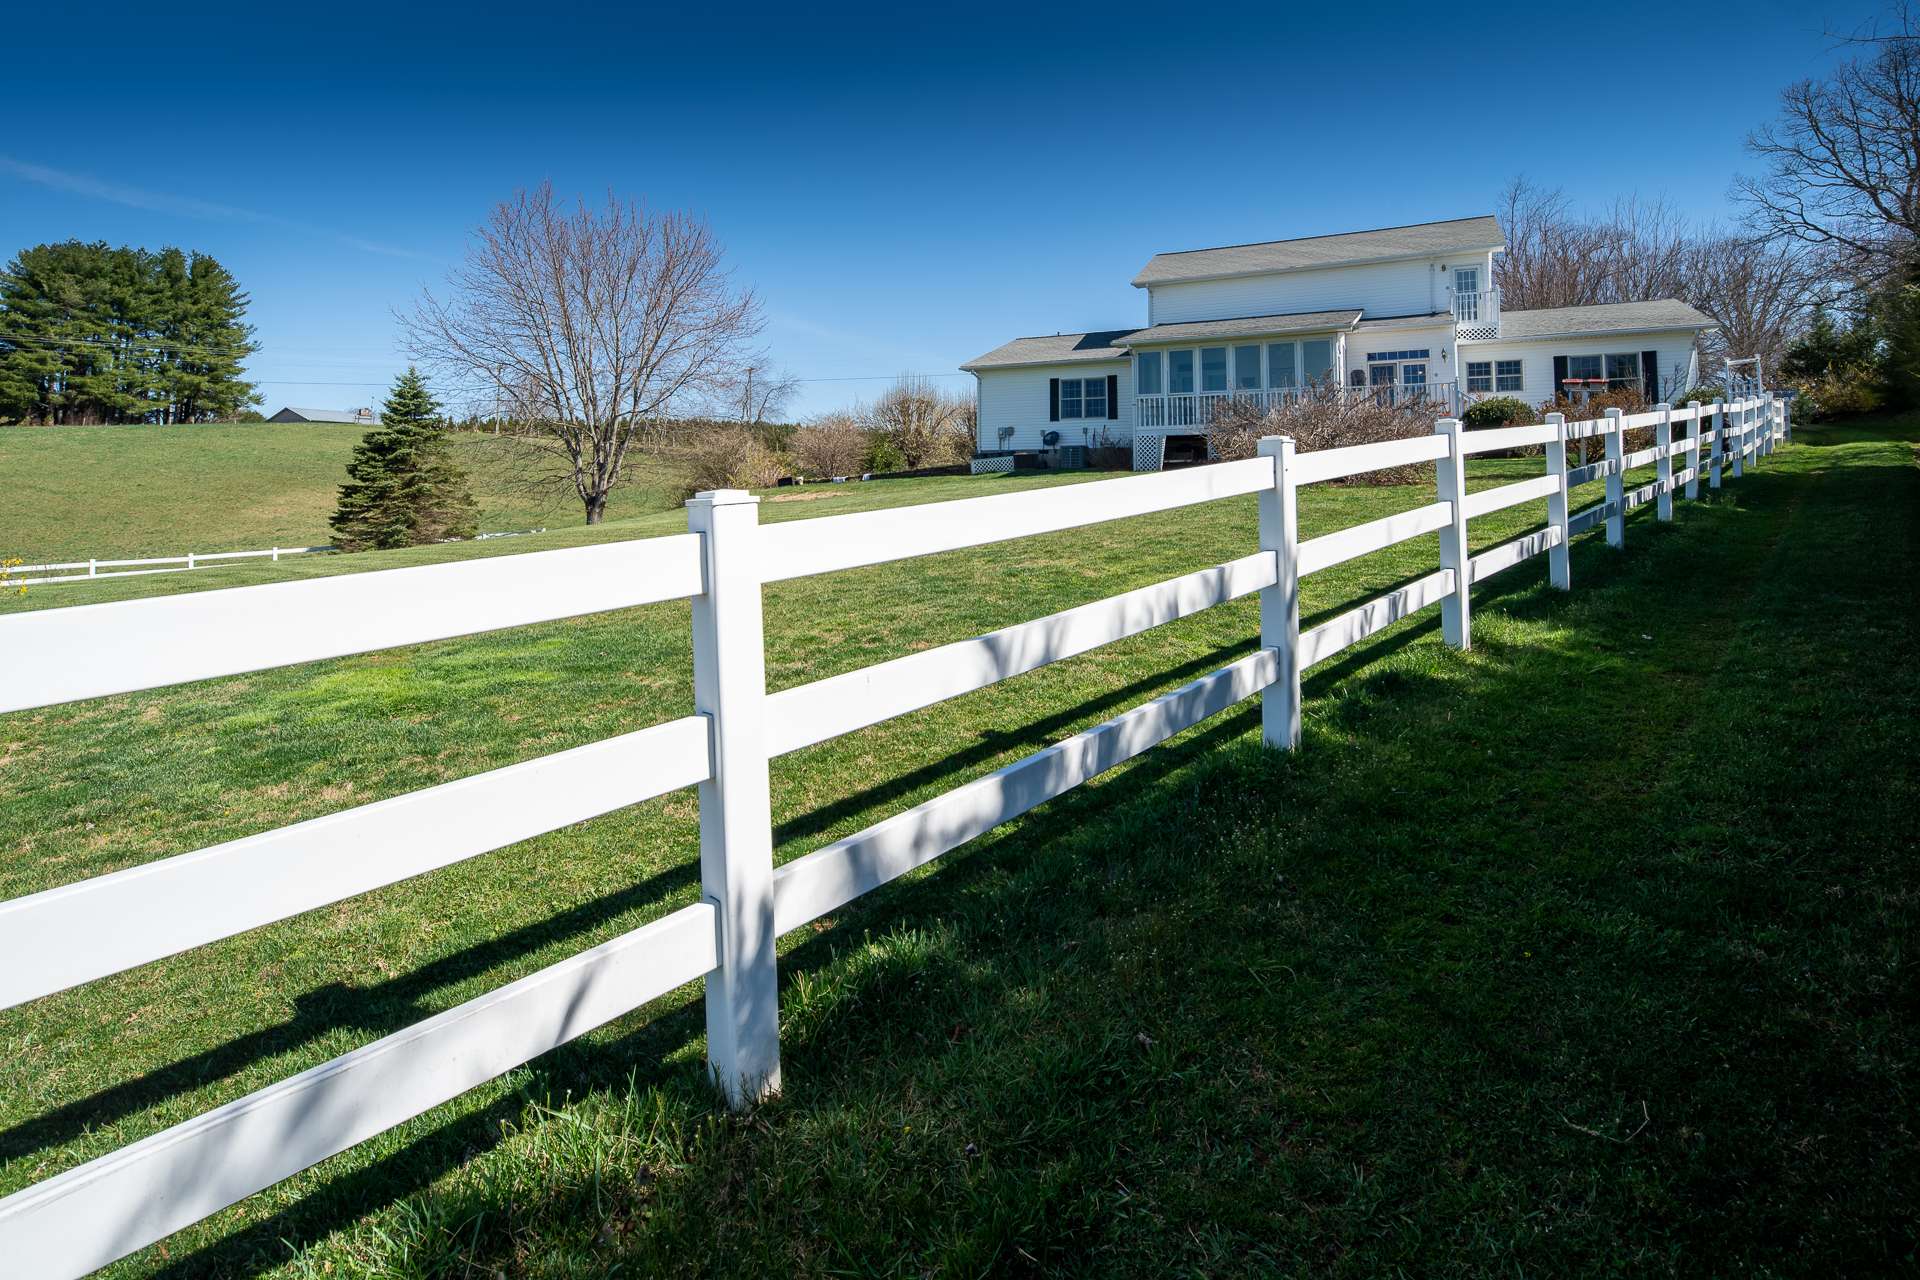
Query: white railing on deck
x,y
1199,409
50,941
1477,314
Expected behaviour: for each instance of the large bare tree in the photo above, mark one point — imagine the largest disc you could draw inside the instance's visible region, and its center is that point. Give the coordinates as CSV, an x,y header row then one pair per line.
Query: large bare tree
x,y
1843,160
592,325
759,393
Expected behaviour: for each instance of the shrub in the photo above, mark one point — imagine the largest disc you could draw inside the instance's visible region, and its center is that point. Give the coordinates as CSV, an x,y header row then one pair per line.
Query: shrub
x,y
833,445
1627,400
884,454
730,458
1499,411
1839,393
1324,422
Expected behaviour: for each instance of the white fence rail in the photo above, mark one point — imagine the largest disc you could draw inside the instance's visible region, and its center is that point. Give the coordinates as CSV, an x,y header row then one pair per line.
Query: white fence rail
x,y
49,941
175,564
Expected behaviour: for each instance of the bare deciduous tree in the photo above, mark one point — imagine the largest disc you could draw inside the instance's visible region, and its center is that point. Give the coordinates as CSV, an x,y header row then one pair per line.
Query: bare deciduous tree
x,y
1843,160
1762,295
591,325
1635,251
759,394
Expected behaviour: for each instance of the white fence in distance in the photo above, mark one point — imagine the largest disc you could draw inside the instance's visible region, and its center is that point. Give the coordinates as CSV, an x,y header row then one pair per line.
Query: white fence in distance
x,y
191,560
102,1210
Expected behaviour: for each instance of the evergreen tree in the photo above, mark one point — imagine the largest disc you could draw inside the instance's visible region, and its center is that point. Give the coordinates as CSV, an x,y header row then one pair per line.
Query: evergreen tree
x,y
403,487
90,333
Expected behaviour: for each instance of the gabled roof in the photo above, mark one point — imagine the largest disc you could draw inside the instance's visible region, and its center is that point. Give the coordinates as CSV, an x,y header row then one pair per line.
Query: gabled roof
x,y
1424,239
328,415
1603,318
1053,348
1248,327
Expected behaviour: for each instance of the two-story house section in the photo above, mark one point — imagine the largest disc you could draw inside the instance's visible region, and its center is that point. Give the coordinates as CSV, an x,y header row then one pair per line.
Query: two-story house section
x,y
1399,313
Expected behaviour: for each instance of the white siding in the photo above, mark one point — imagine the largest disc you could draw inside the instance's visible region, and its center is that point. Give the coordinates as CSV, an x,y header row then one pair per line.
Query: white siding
x,y
1378,289
1676,348
1435,338
1018,398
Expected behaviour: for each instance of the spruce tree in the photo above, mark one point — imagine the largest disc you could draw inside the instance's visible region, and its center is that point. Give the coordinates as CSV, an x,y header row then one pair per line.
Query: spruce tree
x,y
403,487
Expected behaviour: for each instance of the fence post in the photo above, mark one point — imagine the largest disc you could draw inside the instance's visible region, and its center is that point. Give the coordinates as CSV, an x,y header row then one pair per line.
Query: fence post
x,y
1280,603
1450,484
1663,465
276,555
93,567
1560,555
1786,421
736,821
1745,414
1773,423
1693,450
189,559
1718,444
1616,480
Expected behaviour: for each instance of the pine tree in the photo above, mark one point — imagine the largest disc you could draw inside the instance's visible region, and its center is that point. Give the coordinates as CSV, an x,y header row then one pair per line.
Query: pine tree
x,y
403,487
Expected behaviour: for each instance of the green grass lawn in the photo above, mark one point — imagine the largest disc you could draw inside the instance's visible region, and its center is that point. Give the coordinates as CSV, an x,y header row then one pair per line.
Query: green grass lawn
x,y
117,492
1585,952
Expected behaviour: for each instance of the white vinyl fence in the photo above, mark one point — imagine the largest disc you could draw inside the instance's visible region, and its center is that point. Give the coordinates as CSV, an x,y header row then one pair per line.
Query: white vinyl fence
x,y
79,932
145,565
179,564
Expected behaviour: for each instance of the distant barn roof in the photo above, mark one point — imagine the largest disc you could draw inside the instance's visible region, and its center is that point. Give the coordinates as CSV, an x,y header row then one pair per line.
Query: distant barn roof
x,y
1602,318
293,413
1457,235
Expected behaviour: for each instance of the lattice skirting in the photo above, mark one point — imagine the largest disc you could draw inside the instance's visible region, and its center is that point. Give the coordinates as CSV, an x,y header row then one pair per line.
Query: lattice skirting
x,y
981,466
1149,452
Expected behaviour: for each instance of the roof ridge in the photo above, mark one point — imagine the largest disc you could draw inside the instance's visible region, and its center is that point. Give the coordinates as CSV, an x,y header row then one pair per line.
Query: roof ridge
x,y
1324,235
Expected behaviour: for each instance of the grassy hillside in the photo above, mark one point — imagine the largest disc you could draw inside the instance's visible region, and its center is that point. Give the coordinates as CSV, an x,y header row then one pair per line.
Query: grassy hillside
x,y
1581,953
74,492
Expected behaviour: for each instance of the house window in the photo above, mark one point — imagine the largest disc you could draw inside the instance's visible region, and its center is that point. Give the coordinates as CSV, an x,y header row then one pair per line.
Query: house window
x,y
1397,356
1413,375
1280,370
1316,360
1180,372
1480,375
1213,368
1623,369
1466,280
1507,376
1246,368
1583,368
1083,397
1146,377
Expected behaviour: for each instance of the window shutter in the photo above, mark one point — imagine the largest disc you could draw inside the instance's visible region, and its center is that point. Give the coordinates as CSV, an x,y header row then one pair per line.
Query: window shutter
x,y
1053,399
1650,375
1559,375
1113,396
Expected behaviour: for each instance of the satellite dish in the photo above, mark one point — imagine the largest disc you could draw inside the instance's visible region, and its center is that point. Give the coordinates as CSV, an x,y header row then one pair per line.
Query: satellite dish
x,y
1050,438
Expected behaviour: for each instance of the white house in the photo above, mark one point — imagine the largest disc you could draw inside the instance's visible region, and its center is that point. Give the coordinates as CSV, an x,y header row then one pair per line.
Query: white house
x,y
1397,312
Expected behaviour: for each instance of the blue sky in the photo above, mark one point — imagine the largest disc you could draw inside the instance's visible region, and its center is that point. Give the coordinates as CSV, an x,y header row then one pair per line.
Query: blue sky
x,y
904,187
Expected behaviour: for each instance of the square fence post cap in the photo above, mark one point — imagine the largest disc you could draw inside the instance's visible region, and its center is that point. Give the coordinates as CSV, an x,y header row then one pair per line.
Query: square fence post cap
x,y
721,498
1274,444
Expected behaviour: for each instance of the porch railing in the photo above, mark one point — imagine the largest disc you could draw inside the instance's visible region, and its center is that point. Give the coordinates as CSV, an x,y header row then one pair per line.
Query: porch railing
x,y
1199,409
1477,314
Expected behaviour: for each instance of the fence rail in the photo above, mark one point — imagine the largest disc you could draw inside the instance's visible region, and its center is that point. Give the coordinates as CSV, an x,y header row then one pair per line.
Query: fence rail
x,y
191,560
49,941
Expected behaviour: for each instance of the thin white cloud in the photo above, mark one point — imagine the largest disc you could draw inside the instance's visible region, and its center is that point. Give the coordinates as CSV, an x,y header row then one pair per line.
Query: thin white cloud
x,y
81,184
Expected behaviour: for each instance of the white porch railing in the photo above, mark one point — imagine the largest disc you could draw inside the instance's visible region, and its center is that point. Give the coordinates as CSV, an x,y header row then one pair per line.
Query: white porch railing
x,y
1198,410
1477,314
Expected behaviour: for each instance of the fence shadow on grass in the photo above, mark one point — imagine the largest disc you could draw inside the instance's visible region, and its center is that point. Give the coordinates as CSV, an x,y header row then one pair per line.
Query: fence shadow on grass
x,y
1058,839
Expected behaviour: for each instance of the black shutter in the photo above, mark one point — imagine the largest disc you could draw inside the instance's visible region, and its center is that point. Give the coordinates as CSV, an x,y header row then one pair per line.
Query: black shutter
x,y
1650,376
1113,396
1560,375
1053,399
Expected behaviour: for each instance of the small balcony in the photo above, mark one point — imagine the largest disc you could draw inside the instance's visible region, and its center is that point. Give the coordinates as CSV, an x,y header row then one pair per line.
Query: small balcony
x,y
1477,314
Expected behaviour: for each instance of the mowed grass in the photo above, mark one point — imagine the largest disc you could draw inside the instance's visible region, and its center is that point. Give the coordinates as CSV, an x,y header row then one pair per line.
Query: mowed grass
x,y
1587,951
119,492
